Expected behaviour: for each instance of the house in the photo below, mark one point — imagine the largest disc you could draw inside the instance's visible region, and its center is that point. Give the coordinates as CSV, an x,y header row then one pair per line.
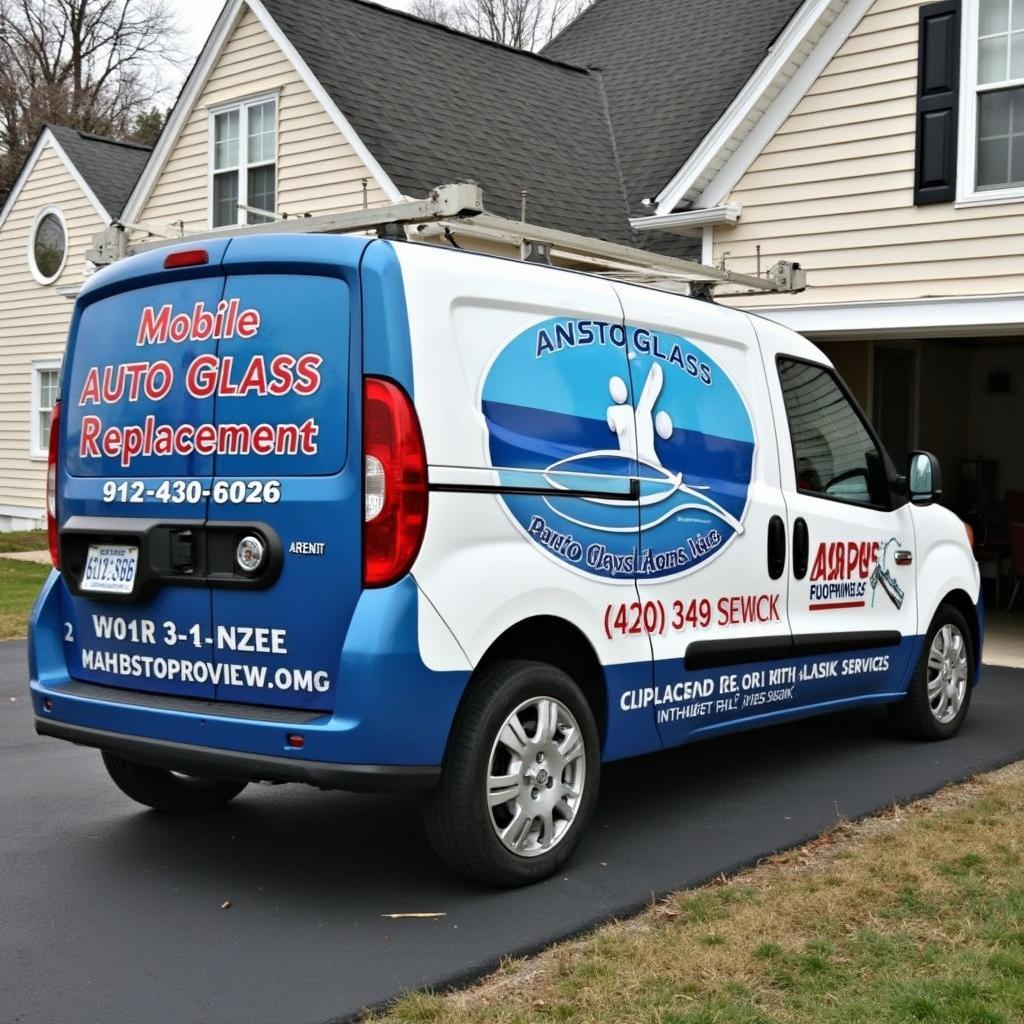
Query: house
x,y
881,143
71,187
740,133
330,105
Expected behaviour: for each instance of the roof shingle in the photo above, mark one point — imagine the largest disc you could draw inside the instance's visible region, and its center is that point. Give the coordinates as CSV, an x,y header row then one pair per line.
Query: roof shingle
x,y
671,68
434,105
110,168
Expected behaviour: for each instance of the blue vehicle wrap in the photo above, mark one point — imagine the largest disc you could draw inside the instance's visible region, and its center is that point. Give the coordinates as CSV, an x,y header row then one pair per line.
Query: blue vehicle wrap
x,y
220,405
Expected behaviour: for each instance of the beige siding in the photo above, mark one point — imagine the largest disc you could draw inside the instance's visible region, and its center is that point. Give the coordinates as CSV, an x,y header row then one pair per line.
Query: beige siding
x,y
834,189
34,318
318,171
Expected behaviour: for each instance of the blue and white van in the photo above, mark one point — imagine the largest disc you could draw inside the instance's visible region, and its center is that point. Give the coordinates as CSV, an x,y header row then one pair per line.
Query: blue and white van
x,y
378,515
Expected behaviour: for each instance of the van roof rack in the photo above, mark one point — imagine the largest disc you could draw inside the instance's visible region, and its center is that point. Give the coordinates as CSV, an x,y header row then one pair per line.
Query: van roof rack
x,y
450,208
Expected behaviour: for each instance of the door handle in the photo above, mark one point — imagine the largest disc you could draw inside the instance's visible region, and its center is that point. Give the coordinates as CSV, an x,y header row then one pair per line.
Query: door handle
x,y
801,548
776,547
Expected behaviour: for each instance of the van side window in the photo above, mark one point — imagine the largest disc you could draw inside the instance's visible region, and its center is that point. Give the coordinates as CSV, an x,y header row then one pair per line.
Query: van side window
x,y
834,455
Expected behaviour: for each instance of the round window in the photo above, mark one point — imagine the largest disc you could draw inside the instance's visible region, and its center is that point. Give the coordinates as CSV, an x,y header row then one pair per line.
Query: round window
x,y
49,247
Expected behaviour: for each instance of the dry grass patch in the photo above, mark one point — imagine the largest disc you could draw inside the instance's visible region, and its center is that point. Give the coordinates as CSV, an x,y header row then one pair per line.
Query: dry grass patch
x,y
915,915
23,540
20,583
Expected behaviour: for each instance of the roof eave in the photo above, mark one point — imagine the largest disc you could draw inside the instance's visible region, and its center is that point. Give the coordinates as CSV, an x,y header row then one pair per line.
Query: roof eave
x,y
732,144
689,222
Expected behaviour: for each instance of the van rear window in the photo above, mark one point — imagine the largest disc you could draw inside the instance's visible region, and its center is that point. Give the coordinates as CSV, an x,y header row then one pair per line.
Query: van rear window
x,y
243,377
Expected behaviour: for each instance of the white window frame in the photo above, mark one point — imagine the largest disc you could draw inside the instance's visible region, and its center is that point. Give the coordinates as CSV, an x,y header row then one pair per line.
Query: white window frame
x,y
968,194
36,450
31,251
242,106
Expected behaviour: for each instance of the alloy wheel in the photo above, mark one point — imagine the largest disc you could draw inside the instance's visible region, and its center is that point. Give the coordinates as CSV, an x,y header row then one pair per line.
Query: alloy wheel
x,y
536,776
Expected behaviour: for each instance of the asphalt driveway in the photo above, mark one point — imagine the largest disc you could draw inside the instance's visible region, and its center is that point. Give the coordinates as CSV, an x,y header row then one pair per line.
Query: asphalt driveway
x,y
109,913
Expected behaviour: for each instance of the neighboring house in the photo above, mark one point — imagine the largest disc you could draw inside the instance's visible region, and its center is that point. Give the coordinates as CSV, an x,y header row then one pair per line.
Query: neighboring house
x,y
889,159
71,187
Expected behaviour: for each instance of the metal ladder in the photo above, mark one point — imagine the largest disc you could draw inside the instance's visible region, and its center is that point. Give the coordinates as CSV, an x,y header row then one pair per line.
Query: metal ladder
x,y
451,207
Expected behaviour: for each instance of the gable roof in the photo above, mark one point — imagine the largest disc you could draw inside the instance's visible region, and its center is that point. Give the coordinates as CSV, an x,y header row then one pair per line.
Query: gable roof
x,y
671,69
105,170
635,100
110,168
434,105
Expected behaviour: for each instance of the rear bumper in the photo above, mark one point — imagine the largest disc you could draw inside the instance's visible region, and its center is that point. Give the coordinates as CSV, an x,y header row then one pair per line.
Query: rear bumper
x,y
220,740
387,731
233,764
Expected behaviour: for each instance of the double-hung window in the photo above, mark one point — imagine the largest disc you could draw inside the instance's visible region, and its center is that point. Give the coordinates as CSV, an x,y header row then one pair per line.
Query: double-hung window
x,y
243,164
992,143
45,389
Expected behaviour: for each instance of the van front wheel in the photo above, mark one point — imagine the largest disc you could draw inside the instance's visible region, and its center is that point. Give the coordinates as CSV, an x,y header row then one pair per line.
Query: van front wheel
x,y
940,692
164,790
520,777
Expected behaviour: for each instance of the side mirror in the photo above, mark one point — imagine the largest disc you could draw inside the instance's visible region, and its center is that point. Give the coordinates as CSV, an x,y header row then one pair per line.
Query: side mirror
x,y
924,478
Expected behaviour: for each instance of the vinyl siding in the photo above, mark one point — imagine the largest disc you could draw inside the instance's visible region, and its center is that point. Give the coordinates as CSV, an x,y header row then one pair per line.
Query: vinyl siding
x,y
317,170
833,189
34,318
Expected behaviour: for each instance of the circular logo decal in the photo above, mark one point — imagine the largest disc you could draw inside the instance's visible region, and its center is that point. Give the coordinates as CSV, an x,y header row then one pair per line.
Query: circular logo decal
x,y
621,452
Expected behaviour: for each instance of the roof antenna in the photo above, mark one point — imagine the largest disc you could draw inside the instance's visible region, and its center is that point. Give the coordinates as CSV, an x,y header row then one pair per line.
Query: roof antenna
x,y
524,195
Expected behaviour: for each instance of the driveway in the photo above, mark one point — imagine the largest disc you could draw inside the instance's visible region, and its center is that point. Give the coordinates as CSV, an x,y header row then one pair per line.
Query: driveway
x,y
111,913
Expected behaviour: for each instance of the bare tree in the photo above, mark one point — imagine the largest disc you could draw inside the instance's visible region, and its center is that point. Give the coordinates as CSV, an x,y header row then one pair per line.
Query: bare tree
x,y
88,64
434,10
525,24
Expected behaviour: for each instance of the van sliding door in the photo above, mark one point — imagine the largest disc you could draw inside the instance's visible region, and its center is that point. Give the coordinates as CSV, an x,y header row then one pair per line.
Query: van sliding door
x,y
711,554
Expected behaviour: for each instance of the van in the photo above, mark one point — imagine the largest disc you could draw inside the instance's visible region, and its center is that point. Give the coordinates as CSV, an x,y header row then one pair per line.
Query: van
x,y
375,515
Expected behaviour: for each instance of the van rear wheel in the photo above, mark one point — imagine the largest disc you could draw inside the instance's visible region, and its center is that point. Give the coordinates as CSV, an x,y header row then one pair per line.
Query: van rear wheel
x,y
520,776
168,791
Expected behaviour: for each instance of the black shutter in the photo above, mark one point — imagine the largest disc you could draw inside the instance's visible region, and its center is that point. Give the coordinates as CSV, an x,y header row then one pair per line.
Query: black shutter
x,y
938,98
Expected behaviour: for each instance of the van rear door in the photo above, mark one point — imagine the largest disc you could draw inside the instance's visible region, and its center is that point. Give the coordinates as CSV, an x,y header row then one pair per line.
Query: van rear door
x,y
133,485
287,484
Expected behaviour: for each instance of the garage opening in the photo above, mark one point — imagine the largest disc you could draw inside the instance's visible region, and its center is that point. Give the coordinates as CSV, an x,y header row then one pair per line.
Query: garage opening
x,y
963,400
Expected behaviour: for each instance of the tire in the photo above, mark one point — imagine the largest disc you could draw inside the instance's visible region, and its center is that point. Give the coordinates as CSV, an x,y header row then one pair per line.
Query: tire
x,y
166,791
555,775
940,691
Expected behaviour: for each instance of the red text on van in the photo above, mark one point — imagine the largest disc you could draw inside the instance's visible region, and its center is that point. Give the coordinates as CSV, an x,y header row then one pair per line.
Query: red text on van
x,y
843,560
229,320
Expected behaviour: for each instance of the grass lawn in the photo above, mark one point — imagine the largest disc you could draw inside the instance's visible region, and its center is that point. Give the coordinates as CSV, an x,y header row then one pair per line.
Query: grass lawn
x,y
915,916
23,540
19,586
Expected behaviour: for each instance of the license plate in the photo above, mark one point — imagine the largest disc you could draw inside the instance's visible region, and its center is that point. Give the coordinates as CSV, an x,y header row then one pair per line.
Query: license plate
x,y
110,568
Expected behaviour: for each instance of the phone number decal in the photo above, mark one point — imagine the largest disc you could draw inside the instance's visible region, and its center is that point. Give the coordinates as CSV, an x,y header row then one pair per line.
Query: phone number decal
x,y
657,618
191,492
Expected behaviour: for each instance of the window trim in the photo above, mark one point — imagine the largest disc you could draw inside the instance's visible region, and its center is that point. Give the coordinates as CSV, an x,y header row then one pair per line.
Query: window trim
x,y
895,501
36,452
31,250
967,191
242,106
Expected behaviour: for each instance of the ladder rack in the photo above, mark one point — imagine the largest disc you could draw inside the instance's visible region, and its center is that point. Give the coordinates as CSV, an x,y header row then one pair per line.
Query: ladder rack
x,y
461,206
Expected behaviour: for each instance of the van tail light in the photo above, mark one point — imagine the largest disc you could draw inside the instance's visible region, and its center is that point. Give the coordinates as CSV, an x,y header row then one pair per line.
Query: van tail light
x,y
51,487
394,483
187,258
970,534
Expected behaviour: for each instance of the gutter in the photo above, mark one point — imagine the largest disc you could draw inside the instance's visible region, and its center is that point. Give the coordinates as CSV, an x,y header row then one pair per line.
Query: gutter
x,y
689,221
